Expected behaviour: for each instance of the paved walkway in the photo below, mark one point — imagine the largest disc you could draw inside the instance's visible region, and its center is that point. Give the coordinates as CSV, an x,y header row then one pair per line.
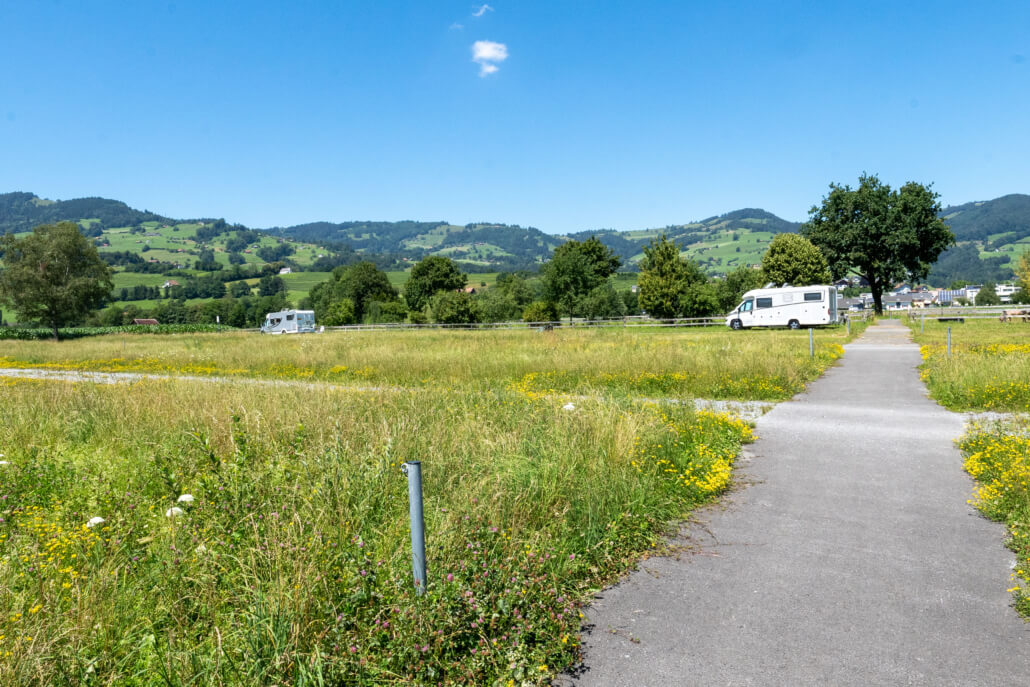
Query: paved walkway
x,y
851,558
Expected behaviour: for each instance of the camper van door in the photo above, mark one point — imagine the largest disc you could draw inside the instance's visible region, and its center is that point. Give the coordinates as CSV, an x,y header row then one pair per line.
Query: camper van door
x,y
746,312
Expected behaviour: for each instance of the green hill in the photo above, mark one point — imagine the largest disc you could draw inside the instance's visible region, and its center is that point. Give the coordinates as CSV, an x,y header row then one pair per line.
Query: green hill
x,y
991,236
719,244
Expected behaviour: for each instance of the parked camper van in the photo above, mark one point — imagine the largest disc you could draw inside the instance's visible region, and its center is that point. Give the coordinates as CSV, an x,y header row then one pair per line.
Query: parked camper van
x,y
790,306
289,322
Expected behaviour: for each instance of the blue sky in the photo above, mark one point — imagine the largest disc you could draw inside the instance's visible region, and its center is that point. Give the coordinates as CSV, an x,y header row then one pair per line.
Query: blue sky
x,y
577,116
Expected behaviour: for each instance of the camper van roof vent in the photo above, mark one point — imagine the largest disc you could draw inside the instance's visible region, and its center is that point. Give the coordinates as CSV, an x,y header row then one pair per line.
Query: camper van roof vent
x,y
769,285
785,285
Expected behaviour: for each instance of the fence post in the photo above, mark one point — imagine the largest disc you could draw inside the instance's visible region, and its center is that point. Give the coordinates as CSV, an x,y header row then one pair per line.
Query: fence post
x,y
811,344
949,342
848,322
922,320
413,469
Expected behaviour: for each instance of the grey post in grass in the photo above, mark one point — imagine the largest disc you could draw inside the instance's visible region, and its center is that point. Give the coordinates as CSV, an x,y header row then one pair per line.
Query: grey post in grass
x,y
922,321
413,469
949,342
811,344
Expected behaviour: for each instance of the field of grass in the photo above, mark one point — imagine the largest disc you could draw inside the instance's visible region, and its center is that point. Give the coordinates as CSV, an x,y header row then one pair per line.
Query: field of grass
x,y
989,366
705,363
551,463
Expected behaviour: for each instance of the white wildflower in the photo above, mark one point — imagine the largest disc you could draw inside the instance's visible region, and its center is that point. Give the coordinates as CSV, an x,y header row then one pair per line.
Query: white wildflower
x,y
568,406
173,512
94,521
185,498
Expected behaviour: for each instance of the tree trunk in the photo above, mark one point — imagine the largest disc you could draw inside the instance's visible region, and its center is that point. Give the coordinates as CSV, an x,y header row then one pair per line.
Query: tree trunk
x,y
877,290
53,325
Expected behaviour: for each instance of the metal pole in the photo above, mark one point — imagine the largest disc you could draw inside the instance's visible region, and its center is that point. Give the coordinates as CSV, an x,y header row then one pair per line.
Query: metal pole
x,y
922,320
848,321
811,344
413,469
949,342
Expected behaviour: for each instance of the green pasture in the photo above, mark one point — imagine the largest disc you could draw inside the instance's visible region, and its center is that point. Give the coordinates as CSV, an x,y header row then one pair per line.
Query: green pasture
x,y
988,368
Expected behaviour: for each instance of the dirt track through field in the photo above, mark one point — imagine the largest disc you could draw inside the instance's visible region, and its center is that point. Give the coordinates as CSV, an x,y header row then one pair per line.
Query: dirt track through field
x,y
848,557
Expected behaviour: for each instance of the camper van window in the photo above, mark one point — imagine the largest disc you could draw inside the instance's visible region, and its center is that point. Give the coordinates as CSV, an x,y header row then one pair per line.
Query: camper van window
x,y
746,306
289,318
814,296
763,302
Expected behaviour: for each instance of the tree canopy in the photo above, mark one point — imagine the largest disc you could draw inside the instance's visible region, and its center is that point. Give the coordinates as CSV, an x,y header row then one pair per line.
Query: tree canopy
x,y
667,282
54,275
361,285
430,276
793,259
576,269
881,234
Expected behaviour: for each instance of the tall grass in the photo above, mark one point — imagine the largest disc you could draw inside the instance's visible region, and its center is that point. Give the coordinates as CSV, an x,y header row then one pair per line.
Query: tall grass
x,y
291,563
988,369
708,363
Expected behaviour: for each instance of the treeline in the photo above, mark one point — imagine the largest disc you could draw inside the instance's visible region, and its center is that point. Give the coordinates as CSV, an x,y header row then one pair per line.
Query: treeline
x,y
23,211
978,221
963,263
229,281
234,312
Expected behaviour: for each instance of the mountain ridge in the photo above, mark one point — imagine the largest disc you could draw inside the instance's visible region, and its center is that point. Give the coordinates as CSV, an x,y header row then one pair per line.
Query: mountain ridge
x,y
990,234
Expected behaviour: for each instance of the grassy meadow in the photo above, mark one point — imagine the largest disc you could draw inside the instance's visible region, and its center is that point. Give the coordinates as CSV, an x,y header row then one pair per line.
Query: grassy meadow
x,y
989,366
179,532
705,363
989,370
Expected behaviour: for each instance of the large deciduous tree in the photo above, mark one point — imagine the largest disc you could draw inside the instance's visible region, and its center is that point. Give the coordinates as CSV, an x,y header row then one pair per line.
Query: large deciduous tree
x,y
881,234
362,284
793,259
430,276
53,276
575,269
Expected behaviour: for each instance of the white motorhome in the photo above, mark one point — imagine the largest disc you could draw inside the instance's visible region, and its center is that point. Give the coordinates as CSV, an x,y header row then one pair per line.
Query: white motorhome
x,y
289,322
789,306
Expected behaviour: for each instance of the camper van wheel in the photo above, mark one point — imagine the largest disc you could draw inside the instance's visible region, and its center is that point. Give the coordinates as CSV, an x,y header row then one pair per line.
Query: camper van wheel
x,y
736,324
794,324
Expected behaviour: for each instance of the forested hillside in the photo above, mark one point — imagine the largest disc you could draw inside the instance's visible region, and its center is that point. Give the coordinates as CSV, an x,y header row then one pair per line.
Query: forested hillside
x,y
990,234
22,211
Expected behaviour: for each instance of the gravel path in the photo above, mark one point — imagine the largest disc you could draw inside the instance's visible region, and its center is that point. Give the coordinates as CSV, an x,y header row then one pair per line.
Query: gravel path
x,y
849,558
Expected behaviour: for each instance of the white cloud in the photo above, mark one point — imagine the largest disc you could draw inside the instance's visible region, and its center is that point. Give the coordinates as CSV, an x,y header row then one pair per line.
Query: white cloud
x,y
456,26
483,9
487,55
